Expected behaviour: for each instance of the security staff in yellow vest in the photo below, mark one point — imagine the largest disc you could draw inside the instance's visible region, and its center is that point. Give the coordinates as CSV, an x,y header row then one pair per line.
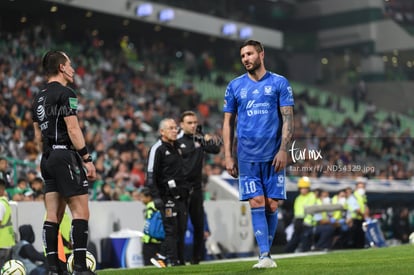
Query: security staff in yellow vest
x,y
340,217
64,228
64,244
150,246
324,225
357,211
303,224
7,238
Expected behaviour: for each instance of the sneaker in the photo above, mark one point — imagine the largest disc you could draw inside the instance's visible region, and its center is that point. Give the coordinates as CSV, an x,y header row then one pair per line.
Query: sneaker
x,y
159,261
265,262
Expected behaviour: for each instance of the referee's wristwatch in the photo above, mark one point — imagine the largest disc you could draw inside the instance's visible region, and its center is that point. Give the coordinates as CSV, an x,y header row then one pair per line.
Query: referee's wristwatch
x,y
88,159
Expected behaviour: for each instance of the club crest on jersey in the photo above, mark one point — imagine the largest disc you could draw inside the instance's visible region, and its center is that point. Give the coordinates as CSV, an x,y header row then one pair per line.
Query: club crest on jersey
x,y
268,90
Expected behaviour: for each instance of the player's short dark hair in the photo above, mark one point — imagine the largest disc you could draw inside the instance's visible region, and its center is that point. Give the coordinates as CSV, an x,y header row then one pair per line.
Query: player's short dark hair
x,y
259,47
52,60
186,113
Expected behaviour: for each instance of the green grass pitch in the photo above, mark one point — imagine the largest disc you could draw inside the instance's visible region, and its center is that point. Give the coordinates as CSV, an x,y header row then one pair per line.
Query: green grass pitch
x,y
373,261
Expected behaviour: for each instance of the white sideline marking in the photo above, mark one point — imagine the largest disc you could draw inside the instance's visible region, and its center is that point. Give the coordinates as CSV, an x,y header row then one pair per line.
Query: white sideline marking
x,y
274,257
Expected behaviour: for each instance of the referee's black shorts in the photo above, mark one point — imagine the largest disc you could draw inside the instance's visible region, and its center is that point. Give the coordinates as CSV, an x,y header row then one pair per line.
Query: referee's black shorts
x,y
64,173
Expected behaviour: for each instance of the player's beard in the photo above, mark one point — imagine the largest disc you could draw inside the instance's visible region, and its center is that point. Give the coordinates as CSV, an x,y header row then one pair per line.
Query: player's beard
x,y
256,65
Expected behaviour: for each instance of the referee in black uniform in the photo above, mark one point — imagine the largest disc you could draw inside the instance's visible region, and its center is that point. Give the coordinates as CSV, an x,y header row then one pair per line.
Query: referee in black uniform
x,y
66,165
193,144
165,178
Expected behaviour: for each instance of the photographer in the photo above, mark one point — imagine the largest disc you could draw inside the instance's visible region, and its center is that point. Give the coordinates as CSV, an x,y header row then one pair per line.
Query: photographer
x,y
193,144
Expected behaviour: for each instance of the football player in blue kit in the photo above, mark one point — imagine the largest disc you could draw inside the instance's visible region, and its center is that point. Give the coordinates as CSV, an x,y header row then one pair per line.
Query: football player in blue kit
x,y
263,103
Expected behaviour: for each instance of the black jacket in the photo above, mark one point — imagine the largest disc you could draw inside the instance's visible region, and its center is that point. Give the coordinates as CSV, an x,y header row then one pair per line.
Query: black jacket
x,y
29,251
165,174
193,149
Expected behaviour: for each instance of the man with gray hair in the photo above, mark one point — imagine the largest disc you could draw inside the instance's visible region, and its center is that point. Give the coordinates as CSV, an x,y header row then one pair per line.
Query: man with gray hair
x,y
169,189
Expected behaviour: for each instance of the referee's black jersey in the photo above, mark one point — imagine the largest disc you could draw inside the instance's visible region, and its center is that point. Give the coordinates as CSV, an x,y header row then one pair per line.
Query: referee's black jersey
x,y
165,165
49,107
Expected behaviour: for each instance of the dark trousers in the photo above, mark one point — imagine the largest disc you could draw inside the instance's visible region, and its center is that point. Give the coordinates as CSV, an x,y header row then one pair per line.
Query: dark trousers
x,y
324,234
175,224
296,236
149,250
357,234
196,212
301,238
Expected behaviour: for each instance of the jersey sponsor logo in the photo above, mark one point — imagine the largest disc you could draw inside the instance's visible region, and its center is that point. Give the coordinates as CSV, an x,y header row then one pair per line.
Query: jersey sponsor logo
x,y
268,90
253,108
251,104
225,103
73,103
40,111
257,112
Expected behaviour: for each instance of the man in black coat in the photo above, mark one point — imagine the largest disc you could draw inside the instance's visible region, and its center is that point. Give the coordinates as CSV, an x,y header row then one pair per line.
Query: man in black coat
x,y
194,144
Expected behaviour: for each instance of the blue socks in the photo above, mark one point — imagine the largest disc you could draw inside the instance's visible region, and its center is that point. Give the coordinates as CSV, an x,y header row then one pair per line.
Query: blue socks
x,y
260,229
272,219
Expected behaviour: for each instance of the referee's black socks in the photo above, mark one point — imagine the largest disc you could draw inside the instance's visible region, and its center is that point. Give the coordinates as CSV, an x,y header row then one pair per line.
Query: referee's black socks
x,y
80,241
50,242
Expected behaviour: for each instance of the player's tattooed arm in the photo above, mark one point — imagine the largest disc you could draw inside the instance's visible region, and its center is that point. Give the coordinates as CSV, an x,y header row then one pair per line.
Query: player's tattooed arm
x,y
288,127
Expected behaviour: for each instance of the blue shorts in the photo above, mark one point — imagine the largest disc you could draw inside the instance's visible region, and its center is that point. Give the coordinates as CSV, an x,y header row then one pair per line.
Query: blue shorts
x,y
260,178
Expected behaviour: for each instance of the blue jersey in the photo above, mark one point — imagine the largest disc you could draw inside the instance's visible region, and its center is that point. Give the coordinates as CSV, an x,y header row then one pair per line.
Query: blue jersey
x,y
259,121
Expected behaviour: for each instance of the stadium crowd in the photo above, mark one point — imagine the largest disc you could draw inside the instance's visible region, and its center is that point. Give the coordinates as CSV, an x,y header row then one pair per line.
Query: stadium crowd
x,y
121,107
122,103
